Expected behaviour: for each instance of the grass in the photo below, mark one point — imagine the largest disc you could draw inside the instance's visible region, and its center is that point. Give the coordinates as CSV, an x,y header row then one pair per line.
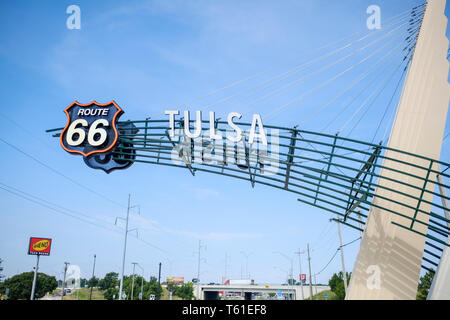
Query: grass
x,y
321,295
165,295
83,294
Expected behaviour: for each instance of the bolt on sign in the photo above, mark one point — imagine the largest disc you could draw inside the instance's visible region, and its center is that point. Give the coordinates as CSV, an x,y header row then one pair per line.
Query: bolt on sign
x,y
40,246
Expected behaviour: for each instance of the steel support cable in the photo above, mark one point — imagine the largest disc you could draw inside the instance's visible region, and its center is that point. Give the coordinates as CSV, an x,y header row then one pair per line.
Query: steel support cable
x,y
391,118
363,104
285,75
376,97
357,81
319,71
279,109
349,104
51,206
358,95
233,84
60,174
389,104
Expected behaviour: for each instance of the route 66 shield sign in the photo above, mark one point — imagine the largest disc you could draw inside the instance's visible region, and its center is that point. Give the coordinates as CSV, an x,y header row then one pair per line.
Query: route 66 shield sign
x,y
91,128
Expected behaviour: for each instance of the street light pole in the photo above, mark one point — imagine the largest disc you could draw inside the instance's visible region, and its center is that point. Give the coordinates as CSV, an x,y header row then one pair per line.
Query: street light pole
x,y
246,255
291,270
310,277
159,282
132,281
142,280
64,282
125,245
200,246
93,271
300,269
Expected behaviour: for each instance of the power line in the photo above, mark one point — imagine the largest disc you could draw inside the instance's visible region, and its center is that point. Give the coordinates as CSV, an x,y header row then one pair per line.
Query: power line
x,y
49,205
59,173
376,97
334,255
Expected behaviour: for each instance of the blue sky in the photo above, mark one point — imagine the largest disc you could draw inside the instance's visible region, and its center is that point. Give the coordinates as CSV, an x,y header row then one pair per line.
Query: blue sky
x,y
150,56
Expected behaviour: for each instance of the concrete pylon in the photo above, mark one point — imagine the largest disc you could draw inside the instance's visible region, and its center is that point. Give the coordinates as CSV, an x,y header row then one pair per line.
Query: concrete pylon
x,y
389,258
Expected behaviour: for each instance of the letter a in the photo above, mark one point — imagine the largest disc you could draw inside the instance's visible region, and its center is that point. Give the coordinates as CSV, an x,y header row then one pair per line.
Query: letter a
x,y
374,21
74,20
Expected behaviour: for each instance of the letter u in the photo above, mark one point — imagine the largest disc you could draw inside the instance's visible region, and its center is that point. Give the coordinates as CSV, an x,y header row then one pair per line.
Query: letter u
x,y
198,125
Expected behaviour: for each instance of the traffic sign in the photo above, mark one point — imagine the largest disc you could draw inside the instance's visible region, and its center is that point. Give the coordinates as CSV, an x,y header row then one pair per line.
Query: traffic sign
x,y
303,277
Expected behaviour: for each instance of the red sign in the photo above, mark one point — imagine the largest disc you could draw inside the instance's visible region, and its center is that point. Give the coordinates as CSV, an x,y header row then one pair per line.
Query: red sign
x,y
303,277
40,246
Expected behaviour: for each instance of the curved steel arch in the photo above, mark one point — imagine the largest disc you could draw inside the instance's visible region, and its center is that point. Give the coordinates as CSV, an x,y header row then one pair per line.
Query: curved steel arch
x,y
337,174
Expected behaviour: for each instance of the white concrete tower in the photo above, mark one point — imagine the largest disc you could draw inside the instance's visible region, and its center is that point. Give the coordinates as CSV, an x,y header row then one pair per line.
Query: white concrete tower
x,y
389,258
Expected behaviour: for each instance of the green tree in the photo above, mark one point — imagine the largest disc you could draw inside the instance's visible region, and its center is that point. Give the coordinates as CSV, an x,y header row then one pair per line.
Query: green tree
x,y
20,285
83,282
424,285
93,282
110,281
171,287
152,287
336,284
111,294
185,291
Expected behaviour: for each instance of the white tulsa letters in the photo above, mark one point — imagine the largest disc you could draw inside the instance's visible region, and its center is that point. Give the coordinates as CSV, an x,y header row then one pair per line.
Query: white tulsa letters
x,y
235,135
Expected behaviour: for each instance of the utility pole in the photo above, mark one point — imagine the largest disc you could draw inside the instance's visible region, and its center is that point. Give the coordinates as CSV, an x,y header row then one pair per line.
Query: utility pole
x,y
142,280
125,245
310,277
93,271
132,281
300,269
198,267
342,256
246,255
315,285
159,282
290,284
33,288
225,275
64,282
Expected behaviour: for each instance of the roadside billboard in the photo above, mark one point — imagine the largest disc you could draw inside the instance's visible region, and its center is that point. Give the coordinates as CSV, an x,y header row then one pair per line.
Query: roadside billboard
x,y
40,246
175,279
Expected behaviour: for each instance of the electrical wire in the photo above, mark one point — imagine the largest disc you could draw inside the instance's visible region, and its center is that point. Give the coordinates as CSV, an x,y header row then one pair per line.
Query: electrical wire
x,y
59,173
49,205
334,255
